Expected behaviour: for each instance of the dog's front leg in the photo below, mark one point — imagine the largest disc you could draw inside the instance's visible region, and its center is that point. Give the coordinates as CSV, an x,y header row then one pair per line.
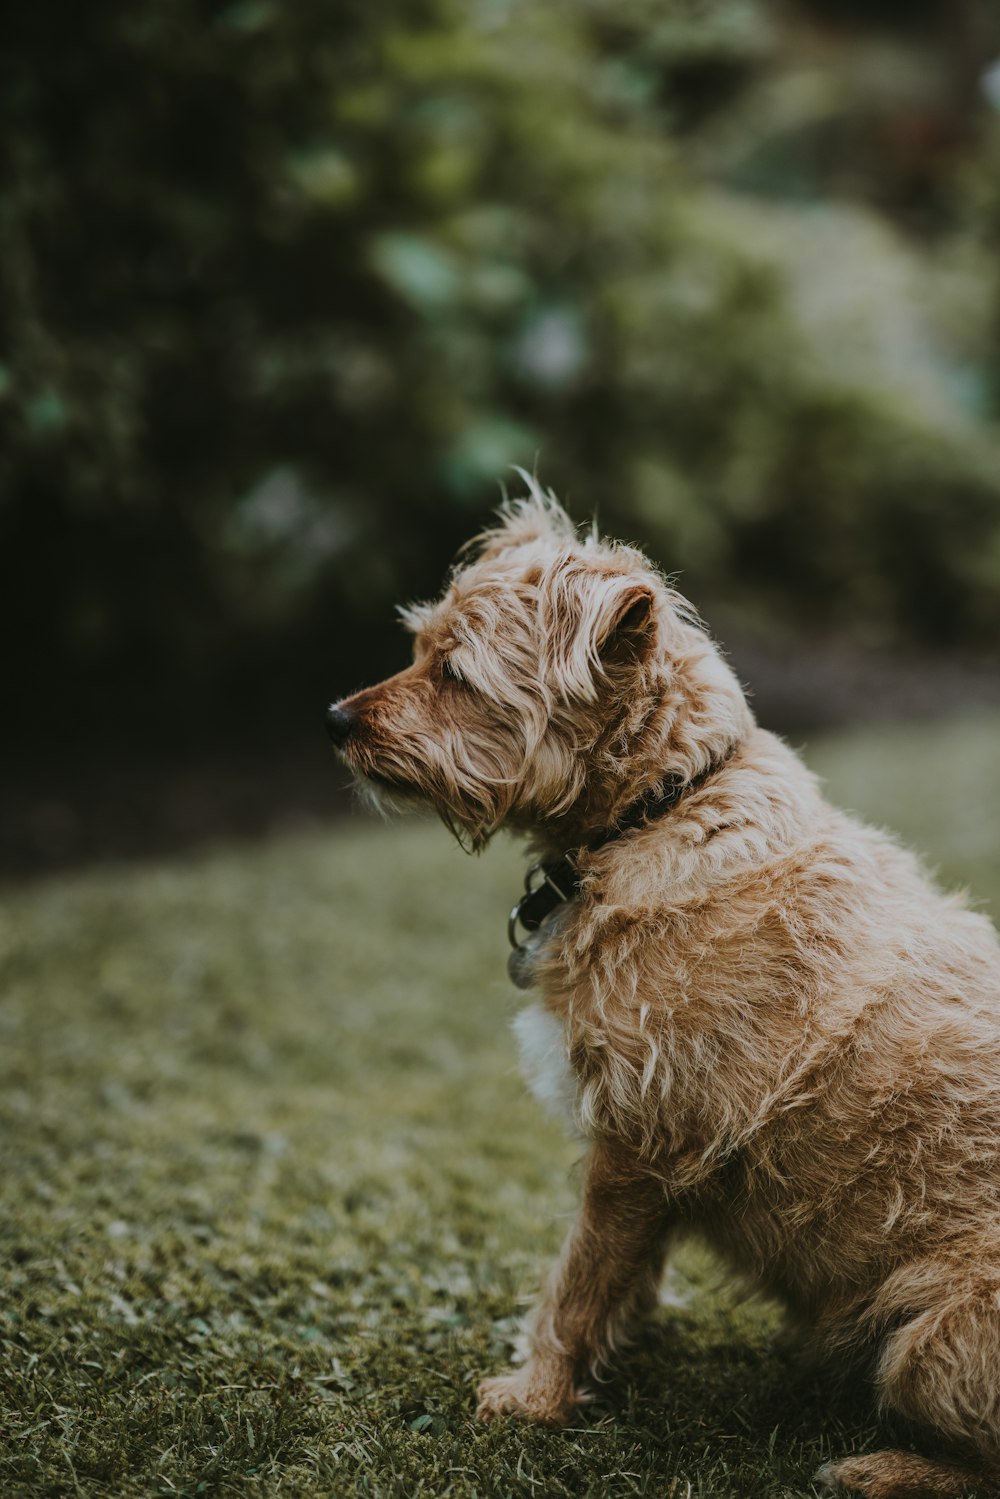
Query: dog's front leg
x,y
607,1275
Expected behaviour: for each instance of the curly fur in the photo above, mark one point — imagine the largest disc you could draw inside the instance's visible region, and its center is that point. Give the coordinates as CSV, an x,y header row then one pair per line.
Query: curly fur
x,y
784,1036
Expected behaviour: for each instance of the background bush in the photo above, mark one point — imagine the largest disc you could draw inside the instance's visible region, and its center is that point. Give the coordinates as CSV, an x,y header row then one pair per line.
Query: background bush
x,y
287,288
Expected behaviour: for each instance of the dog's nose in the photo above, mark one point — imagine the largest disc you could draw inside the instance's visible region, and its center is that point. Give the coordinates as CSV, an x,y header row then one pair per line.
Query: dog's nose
x,y
339,723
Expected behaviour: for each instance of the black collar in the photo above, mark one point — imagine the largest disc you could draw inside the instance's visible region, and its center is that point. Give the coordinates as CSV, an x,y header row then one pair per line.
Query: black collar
x,y
560,879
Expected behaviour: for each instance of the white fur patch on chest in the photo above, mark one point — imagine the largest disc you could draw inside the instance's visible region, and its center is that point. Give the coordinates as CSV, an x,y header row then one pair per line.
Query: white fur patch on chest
x,y
545,1066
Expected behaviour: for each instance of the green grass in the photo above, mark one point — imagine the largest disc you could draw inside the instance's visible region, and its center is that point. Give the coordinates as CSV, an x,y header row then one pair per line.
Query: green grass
x,y
272,1187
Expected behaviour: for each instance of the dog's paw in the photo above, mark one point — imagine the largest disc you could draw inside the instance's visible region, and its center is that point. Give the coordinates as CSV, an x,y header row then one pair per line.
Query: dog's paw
x,y
895,1475
861,1475
528,1399
827,1479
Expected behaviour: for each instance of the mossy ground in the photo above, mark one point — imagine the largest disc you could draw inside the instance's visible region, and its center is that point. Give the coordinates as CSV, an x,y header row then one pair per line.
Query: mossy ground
x,y
273,1189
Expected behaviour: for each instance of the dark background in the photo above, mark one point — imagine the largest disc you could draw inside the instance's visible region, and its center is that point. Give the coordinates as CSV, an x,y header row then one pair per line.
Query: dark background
x,y
285,290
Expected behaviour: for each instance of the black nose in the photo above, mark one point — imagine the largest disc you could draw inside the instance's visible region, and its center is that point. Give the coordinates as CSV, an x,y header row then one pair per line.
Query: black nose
x,y
339,723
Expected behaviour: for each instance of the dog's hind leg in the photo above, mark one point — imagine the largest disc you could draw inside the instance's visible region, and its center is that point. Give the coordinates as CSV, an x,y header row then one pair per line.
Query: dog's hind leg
x,y
940,1369
606,1277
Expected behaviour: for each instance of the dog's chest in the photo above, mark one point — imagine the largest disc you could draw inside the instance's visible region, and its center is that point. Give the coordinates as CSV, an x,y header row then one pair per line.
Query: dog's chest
x,y
545,1064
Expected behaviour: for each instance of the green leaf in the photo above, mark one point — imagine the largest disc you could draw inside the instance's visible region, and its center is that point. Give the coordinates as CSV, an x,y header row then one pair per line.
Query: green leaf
x,y
421,272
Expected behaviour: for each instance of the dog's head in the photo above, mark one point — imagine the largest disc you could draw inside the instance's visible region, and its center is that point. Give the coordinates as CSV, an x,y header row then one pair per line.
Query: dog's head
x,y
557,679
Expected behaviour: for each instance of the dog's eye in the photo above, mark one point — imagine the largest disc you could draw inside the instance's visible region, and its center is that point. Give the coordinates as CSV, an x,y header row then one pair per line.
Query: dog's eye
x,y
448,671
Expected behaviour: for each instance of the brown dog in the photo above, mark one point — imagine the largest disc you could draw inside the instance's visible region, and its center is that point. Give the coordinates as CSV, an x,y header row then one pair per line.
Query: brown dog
x,y
776,1031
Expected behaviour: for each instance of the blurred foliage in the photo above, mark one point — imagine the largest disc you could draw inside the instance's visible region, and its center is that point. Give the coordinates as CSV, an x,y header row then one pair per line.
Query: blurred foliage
x,y
286,289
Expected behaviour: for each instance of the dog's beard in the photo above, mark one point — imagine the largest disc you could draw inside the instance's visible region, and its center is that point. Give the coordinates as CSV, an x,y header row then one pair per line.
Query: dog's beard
x,y
384,795
389,797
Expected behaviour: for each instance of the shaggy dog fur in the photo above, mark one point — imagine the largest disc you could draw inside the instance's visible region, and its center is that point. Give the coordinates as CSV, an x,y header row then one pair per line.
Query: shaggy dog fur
x,y
782,1035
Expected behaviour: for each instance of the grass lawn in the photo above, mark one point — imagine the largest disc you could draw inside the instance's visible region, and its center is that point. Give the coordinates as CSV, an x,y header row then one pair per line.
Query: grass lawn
x,y
273,1189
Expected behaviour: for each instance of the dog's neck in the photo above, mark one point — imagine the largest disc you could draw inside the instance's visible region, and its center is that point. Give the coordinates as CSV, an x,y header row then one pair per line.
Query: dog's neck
x,y
555,880
659,800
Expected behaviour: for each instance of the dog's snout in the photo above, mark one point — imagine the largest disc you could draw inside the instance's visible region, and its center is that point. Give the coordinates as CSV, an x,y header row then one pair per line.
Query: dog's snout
x,y
339,723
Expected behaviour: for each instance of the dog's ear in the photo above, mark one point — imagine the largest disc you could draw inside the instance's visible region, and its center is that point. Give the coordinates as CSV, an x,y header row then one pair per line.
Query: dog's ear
x,y
595,622
630,630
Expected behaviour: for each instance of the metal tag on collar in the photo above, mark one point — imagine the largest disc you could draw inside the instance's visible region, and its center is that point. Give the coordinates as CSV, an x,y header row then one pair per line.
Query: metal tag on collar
x,y
531,889
515,914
